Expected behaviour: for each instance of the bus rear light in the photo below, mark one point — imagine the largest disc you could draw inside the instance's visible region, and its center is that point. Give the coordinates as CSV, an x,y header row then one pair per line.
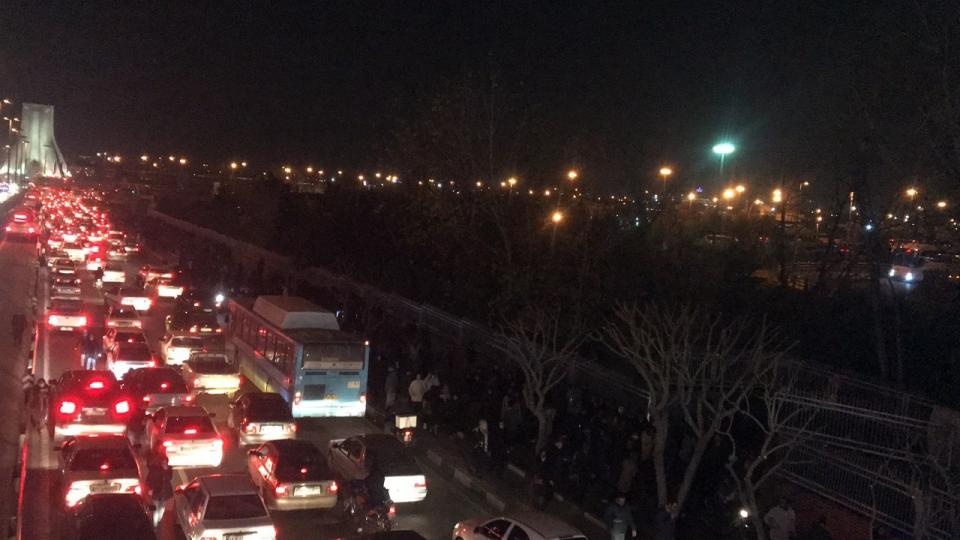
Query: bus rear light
x,y
293,428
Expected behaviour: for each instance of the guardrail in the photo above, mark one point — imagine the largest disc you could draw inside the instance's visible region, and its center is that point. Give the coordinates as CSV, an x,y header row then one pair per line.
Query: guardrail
x,y
854,415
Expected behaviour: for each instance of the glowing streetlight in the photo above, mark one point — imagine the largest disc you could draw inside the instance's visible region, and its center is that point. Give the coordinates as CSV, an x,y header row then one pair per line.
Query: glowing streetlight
x,y
233,165
557,217
309,170
171,158
287,169
243,163
740,188
572,175
512,181
479,184
144,157
912,192
941,204
729,194
758,202
116,158
665,171
724,148
546,193
692,196
183,161
777,196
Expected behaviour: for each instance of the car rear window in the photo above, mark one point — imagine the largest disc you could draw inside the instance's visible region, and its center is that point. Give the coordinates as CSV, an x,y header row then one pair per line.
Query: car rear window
x,y
94,459
234,507
131,337
164,383
177,424
66,305
212,364
196,343
274,409
302,463
134,354
124,314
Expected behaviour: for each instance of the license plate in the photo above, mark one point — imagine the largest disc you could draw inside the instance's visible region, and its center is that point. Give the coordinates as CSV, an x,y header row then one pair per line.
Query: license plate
x,y
353,384
308,491
236,536
97,411
330,396
104,488
271,429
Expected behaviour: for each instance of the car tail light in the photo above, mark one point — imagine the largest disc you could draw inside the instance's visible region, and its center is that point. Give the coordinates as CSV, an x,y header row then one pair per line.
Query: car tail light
x,y
188,398
197,383
219,444
167,445
392,511
136,488
297,396
9,228
219,330
164,386
52,320
280,490
122,407
146,399
248,428
30,230
111,323
153,362
420,485
83,320
193,329
293,428
138,324
68,407
190,431
333,487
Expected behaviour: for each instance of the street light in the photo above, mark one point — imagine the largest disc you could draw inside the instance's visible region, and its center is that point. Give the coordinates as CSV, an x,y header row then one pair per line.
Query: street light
x,y
664,173
171,158
692,196
941,204
572,175
777,196
233,165
729,194
557,217
912,192
144,157
723,149
309,170
287,169
741,188
183,161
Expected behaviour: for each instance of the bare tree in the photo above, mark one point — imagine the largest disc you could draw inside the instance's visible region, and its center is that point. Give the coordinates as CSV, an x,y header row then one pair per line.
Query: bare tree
x,y
697,367
545,352
782,425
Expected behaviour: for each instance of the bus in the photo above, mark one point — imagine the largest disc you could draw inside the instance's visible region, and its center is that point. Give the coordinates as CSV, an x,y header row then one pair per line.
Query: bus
x,y
288,345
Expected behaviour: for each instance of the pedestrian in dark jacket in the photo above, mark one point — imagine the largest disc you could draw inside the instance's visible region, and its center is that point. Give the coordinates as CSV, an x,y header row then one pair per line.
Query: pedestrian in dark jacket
x,y
619,519
666,521
159,476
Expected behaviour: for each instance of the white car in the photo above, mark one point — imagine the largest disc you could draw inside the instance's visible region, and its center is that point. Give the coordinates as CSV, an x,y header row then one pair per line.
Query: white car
x,y
211,373
186,435
65,286
75,251
123,317
114,273
525,526
93,464
403,479
222,507
165,288
177,349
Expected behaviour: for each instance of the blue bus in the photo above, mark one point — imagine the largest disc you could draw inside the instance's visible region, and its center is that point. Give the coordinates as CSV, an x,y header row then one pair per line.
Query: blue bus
x,y
290,346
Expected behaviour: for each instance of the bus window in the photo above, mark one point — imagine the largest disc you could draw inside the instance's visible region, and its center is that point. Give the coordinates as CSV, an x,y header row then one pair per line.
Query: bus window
x,y
333,356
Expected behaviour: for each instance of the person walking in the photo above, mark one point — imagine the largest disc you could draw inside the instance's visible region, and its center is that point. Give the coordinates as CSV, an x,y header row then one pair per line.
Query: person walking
x,y
781,521
159,476
18,323
391,386
42,394
619,519
666,521
90,350
27,383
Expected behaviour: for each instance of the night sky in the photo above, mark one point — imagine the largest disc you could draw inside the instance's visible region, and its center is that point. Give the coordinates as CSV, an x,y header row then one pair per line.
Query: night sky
x,y
626,85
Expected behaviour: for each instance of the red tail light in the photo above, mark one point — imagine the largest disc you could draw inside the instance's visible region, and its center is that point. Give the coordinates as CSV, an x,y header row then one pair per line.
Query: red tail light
x,y
138,489
392,511
68,407
9,228
333,488
111,323
30,230
95,385
146,399
83,320
219,330
280,490
122,407
188,398
153,362
293,428
51,320
363,397
190,431
419,485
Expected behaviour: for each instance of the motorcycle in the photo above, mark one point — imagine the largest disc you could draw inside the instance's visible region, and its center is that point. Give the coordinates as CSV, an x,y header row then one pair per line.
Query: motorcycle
x,y
368,518
405,426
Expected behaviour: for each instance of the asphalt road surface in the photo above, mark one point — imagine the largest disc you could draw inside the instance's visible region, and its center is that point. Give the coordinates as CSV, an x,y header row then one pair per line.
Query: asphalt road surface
x,y
433,518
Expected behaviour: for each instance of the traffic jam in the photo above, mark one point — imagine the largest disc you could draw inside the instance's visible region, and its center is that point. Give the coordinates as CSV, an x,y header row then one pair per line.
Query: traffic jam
x,y
164,377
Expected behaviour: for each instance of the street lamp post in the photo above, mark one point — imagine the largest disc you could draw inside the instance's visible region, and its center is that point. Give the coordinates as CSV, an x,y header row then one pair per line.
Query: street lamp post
x,y
665,173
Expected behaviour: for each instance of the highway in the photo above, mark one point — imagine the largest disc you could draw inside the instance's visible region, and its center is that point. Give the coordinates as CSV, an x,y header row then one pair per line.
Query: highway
x,y
56,352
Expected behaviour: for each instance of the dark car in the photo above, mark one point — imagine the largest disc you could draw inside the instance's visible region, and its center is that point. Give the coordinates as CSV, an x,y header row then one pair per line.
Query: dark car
x,y
153,388
199,322
292,475
86,402
260,417
113,516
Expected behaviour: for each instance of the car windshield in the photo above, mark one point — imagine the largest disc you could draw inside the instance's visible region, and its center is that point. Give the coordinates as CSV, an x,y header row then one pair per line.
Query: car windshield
x,y
212,364
66,305
165,381
274,409
179,424
134,354
192,342
131,337
103,459
235,507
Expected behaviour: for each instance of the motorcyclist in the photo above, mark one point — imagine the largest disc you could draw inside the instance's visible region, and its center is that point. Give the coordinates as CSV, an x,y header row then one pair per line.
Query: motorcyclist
x,y
98,276
377,495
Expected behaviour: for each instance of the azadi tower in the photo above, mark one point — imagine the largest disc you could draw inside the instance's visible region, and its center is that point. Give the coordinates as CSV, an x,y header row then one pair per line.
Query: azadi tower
x,y
36,153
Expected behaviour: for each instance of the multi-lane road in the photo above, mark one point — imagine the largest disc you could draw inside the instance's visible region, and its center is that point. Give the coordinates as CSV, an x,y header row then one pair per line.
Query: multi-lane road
x,y
56,352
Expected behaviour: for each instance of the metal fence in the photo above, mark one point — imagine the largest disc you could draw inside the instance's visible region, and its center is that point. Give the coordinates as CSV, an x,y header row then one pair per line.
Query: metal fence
x,y
860,426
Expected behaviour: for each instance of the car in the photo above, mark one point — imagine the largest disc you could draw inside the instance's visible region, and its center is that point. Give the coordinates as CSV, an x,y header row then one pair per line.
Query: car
x,y
165,288
65,286
129,296
122,317
131,246
23,222
98,464
351,459
222,506
110,516
85,402
211,373
54,242
523,526
63,267
75,251
115,253
203,321
176,349
261,416
292,475
186,435
115,238
95,261
194,299
54,257
153,388
67,315
114,273
126,356
114,336
148,273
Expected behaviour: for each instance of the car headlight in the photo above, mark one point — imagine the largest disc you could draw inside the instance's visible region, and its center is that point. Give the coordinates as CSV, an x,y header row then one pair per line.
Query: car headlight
x,y
909,276
892,272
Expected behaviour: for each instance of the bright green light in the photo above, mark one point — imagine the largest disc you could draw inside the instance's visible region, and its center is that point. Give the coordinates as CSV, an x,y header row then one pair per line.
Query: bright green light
x,y
724,148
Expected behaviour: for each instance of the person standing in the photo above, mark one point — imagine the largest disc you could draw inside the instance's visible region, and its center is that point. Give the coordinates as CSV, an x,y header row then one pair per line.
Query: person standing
x,y
781,521
27,383
619,519
159,476
666,521
42,391
416,390
391,385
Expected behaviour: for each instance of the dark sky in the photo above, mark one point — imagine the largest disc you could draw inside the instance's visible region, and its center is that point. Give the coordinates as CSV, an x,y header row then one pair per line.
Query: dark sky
x,y
329,82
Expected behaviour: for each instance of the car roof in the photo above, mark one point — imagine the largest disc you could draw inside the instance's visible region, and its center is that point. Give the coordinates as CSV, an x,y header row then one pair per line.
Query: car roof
x,y
545,525
101,441
227,484
185,411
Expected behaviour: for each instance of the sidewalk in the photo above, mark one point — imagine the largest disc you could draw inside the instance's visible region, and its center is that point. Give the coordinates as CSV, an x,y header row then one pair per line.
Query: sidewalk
x,y
504,495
